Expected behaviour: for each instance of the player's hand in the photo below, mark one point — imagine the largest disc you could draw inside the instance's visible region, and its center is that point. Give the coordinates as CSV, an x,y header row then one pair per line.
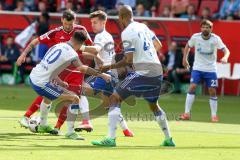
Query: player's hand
x,y
106,77
186,64
64,85
224,60
104,68
21,59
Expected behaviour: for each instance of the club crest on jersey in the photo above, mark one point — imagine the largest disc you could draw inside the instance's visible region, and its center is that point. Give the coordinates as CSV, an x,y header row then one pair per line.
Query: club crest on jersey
x,y
62,37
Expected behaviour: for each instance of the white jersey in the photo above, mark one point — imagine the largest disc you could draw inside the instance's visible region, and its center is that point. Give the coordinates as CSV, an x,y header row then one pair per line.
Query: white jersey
x,y
57,58
205,52
105,41
107,52
138,38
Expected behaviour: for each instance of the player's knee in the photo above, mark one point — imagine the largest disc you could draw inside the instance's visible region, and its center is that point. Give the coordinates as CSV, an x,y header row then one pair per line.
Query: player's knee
x,y
114,99
192,88
75,99
212,92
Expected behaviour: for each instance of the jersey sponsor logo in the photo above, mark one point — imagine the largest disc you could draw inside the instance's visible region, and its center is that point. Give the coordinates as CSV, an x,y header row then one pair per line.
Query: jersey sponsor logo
x,y
204,53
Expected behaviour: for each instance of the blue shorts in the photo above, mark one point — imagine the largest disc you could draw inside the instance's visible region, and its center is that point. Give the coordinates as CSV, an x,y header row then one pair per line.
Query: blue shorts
x,y
210,78
100,85
49,91
140,86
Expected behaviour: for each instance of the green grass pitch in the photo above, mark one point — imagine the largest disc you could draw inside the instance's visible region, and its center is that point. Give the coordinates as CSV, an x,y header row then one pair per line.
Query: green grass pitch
x,y
196,140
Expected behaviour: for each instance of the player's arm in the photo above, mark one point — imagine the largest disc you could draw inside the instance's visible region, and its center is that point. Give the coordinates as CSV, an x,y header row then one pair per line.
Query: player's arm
x,y
90,71
186,51
127,60
224,59
90,49
60,82
222,46
90,56
157,44
21,59
185,56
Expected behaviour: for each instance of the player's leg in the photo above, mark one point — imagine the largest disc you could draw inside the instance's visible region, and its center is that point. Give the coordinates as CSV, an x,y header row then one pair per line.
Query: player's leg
x,y
30,111
161,119
113,119
212,84
195,80
74,80
121,93
102,89
72,112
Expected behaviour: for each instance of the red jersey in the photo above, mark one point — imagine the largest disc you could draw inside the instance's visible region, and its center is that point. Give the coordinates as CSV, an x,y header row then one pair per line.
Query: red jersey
x,y
58,35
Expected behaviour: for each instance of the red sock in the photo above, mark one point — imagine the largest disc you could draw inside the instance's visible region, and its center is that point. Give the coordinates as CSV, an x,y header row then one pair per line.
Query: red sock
x,y
62,117
34,107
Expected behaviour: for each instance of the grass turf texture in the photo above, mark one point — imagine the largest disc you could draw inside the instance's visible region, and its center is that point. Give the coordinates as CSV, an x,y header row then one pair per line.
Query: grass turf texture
x,y
195,140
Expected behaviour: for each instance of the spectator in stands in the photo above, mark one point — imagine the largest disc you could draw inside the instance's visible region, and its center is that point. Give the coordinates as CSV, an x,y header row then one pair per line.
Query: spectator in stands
x,y
10,53
69,5
8,4
151,6
115,11
131,3
42,28
141,11
191,13
106,4
21,6
30,4
175,69
179,7
228,8
42,6
206,14
166,12
1,7
61,5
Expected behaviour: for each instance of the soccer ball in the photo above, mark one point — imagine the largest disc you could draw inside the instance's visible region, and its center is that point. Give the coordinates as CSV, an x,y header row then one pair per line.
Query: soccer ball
x,y
33,123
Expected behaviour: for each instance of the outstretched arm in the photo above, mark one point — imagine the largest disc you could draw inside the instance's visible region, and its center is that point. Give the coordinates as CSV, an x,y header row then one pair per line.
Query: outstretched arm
x,y
21,59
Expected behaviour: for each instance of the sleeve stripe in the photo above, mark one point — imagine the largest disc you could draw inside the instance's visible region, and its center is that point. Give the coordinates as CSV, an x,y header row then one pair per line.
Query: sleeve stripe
x,y
154,37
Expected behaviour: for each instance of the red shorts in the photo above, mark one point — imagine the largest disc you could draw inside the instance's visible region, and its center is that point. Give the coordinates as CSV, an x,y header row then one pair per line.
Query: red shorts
x,y
74,80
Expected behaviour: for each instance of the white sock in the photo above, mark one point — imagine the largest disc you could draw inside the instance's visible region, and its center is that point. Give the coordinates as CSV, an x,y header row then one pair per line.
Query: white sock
x,y
213,105
122,122
113,119
189,102
44,109
161,118
71,118
84,108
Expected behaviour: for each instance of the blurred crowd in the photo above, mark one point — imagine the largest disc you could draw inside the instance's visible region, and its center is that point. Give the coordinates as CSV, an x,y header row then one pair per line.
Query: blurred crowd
x,y
192,9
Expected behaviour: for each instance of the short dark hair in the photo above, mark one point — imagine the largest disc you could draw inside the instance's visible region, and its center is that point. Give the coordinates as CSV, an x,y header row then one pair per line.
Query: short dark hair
x,y
207,22
79,36
100,14
69,15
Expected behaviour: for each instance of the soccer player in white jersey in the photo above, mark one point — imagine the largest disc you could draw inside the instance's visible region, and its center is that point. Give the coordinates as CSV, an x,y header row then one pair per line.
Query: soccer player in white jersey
x,y
206,45
104,43
58,58
138,42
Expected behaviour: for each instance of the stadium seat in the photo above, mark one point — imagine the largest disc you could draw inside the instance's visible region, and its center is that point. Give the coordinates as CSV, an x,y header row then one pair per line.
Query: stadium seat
x,y
211,4
236,75
223,72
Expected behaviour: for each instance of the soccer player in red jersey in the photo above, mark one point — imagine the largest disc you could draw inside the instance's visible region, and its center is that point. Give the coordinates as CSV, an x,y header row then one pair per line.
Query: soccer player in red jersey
x,y
75,79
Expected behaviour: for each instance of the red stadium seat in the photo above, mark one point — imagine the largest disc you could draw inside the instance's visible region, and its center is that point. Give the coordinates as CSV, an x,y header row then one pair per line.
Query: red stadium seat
x,y
211,4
